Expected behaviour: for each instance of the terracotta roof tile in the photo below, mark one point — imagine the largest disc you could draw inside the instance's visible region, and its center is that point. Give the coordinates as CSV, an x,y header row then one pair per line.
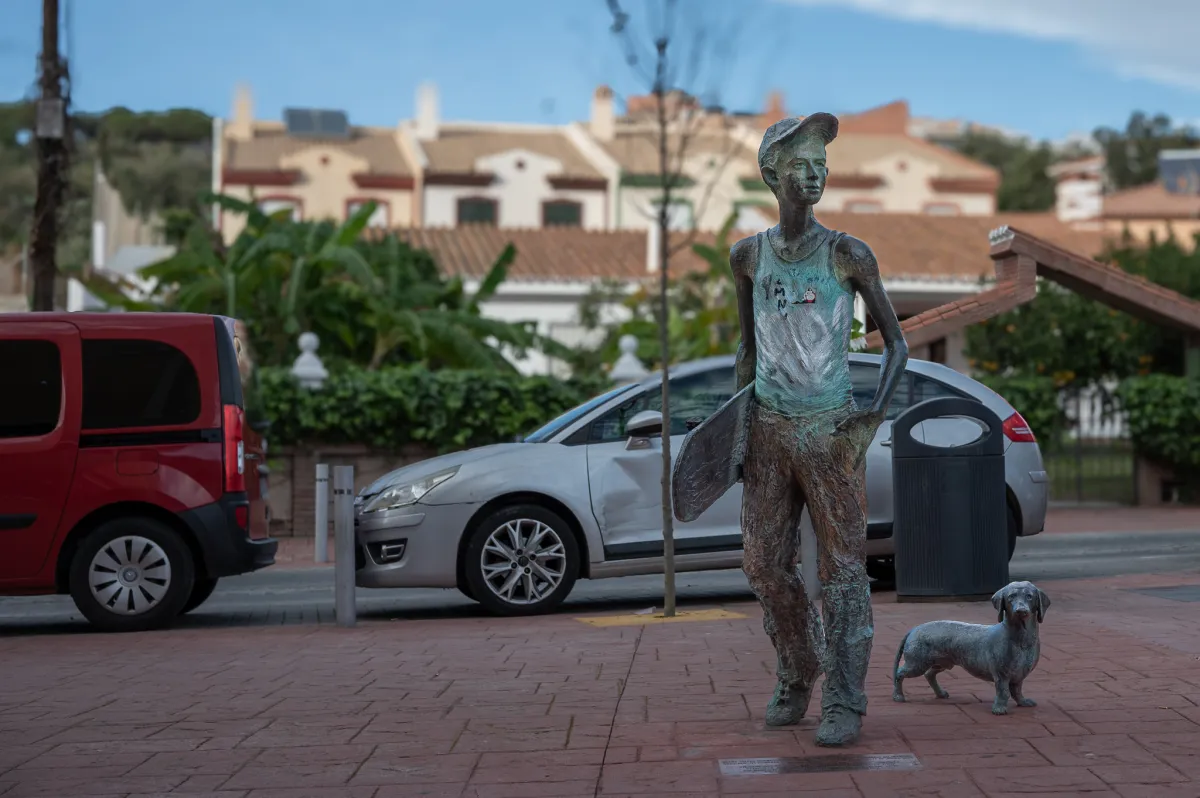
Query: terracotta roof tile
x,y
907,246
1151,201
636,150
927,245
271,144
459,146
553,253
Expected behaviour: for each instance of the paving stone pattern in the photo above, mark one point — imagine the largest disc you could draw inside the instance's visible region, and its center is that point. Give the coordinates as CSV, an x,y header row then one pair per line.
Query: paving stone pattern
x,y
521,708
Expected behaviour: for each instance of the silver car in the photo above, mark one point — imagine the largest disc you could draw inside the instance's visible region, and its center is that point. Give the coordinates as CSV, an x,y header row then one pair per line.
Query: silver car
x,y
513,525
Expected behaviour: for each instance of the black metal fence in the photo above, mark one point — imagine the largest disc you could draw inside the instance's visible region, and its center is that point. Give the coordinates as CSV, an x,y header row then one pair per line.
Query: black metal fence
x,y
1094,462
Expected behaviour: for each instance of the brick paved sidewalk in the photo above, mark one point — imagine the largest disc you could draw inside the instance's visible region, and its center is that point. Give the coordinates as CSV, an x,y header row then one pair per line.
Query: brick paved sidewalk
x,y
298,552
555,707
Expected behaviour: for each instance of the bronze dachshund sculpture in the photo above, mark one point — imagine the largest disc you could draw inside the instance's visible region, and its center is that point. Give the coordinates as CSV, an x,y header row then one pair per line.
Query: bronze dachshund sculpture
x,y
1004,654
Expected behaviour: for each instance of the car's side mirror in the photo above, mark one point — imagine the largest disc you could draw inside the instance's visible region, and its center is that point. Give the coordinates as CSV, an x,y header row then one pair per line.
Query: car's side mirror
x,y
644,425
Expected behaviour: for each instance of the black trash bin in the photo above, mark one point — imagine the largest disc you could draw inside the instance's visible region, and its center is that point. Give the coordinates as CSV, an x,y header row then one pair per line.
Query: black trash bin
x,y
950,526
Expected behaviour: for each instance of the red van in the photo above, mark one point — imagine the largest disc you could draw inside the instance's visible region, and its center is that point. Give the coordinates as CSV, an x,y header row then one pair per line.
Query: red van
x,y
129,476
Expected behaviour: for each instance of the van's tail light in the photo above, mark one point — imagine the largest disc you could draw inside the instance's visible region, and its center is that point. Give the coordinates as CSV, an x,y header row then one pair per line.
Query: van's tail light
x,y
235,449
1017,430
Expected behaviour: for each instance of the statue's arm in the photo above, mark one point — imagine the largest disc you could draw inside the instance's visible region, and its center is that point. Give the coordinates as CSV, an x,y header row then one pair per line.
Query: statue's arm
x,y
859,263
742,257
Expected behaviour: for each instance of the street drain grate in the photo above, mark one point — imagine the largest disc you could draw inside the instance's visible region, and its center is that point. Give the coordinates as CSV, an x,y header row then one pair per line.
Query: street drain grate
x,y
775,766
1188,593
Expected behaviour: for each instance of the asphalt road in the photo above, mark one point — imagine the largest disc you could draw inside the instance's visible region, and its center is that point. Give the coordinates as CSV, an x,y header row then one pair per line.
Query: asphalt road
x,y
277,596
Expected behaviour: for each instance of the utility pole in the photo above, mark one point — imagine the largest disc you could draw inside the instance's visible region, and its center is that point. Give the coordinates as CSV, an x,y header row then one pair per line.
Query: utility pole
x,y
52,162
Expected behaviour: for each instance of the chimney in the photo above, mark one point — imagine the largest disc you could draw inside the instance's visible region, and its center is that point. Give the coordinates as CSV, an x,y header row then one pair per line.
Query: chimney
x,y
603,124
427,112
653,237
241,127
774,110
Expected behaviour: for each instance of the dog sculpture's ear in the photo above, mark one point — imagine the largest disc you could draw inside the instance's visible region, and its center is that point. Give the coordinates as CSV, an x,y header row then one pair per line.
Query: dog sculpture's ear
x,y
998,603
1043,605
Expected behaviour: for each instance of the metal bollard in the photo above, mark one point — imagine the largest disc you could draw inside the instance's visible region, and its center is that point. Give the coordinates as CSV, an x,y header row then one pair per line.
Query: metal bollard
x,y
321,540
344,545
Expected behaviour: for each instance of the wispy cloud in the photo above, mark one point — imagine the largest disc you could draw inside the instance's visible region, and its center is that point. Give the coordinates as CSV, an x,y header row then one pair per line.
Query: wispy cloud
x,y
1153,41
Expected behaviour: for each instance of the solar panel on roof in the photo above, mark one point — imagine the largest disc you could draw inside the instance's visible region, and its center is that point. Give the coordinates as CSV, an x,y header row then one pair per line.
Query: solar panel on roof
x,y
333,124
316,123
300,121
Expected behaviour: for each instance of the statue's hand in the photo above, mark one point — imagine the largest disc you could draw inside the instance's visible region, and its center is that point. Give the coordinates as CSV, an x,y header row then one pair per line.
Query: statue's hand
x,y
859,430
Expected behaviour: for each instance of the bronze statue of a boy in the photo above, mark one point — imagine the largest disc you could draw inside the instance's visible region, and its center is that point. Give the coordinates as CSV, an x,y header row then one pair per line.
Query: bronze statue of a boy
x,y
800,440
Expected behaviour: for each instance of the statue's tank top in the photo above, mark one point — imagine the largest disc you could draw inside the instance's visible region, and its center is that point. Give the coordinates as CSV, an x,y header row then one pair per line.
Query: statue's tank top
x,y
803,315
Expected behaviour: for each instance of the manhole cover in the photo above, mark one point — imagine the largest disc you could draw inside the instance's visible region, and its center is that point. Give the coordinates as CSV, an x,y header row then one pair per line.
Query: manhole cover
x,y
1189,593
774,766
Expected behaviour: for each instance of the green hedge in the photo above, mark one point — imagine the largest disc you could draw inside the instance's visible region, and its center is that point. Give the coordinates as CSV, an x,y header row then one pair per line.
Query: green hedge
x,y
1164,419
1036,399
391,408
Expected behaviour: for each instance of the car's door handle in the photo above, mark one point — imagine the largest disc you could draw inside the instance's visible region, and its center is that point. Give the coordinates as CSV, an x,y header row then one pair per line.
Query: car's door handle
x,y
887,443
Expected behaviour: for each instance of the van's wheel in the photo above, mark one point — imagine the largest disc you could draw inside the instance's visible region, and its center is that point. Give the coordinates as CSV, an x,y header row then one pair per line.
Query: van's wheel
x,y
131,574
521,560
202,588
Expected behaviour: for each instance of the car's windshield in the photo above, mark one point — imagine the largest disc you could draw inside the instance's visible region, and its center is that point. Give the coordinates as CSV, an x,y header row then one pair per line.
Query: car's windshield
x,y
550,430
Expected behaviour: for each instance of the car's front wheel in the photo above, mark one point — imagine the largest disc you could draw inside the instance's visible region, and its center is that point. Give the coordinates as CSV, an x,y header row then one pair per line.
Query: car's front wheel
x,y
521,560
131,574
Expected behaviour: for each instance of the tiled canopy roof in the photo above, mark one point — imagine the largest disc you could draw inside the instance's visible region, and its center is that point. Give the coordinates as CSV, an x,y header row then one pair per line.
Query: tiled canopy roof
x,y
1020,258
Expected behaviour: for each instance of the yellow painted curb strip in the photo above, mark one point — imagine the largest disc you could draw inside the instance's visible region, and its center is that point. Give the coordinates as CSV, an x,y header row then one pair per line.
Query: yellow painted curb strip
x,y
680,617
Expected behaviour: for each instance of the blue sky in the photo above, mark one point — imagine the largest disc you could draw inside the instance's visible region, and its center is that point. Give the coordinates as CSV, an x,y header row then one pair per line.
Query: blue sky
x,y
1045,67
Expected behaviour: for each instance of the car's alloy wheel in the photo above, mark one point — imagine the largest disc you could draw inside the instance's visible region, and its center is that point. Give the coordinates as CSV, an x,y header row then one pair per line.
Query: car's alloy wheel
x,y
521,560
131,574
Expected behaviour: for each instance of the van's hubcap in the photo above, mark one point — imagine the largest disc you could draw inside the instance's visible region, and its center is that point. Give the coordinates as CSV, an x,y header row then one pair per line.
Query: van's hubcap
x,y
130,575
523,561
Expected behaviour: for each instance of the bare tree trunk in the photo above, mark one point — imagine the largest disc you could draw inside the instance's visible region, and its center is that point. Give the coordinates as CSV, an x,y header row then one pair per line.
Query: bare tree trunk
x,y
664,337
51,154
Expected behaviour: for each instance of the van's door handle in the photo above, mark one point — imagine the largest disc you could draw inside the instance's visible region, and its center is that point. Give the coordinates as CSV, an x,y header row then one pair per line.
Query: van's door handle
x,y
887,443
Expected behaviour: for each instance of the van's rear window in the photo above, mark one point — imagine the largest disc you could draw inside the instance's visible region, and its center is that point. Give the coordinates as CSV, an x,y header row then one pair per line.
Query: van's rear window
x,y
137,383
32,397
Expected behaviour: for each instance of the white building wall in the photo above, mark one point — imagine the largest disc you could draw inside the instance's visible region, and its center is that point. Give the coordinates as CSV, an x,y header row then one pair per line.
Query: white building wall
x,y
521,186
1079,199
555,308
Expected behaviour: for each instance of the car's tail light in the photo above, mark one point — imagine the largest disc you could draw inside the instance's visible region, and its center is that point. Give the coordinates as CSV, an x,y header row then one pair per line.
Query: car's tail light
x,y
1017,430
241,515
235,449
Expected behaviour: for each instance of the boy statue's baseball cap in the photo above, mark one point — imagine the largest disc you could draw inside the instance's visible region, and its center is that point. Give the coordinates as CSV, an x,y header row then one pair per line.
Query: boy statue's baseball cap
x,y
822,124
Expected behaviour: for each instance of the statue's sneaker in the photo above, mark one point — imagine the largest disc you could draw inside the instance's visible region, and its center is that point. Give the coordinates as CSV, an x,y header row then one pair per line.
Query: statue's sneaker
x,y
788,705
839,726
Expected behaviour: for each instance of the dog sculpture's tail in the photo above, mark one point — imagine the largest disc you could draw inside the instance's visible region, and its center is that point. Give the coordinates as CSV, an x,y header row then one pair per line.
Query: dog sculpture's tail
x,y
897,690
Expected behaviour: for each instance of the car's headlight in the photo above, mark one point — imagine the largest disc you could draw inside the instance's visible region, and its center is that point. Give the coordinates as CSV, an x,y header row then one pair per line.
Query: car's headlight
x,y
407,493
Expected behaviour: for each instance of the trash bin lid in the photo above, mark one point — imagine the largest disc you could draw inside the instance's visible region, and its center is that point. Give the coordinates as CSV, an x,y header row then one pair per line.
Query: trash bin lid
x,y
989,443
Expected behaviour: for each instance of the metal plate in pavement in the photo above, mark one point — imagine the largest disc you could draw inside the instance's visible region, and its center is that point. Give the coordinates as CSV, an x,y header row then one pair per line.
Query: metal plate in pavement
x,y
774,766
